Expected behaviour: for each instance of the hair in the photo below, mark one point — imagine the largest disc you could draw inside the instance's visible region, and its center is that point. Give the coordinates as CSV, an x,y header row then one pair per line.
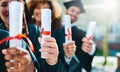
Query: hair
x,y
56,20
1,21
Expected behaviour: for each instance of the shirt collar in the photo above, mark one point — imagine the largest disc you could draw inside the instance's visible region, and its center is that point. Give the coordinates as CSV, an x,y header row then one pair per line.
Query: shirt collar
x,y
73,24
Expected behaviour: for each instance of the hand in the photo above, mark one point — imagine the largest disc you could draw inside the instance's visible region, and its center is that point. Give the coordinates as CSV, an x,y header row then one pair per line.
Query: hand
x,y
87,44
50,47
69,49
22,60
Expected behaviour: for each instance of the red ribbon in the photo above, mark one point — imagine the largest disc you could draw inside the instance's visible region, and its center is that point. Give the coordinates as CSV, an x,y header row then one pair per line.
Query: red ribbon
x,y
19,36
69,34
45,32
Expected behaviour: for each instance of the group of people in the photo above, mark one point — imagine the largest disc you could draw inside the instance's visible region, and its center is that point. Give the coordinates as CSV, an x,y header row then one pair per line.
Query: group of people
x,y
60,56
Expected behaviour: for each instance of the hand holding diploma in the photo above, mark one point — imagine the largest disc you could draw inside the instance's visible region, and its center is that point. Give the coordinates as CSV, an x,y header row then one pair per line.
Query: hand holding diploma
x,y
15,24
87,41
22,60
69,45
50,50
18,59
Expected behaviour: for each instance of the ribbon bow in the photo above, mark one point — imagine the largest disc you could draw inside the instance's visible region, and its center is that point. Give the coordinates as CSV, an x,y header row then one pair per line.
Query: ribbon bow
x,y
45,32
69,34
19,36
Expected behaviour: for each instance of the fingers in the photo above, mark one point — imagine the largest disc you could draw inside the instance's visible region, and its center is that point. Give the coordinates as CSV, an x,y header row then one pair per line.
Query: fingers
x,y
48,39
40,39
87,45
86,49
14,50
17,59
86,40
49,52
49,43
70,46
69,49
15,54
90,37
14,64
49,49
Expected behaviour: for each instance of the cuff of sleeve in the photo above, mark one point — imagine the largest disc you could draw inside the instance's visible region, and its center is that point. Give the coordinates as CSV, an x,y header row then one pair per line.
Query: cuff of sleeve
x,y
68,60
93,49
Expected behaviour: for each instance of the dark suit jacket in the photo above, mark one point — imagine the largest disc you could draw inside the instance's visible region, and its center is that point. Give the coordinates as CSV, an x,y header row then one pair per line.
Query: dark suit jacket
x,y
84,58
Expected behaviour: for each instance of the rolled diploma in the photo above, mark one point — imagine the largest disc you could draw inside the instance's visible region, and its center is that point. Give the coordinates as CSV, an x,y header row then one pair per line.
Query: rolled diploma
x,y
67,23
15,23
91,28
45,25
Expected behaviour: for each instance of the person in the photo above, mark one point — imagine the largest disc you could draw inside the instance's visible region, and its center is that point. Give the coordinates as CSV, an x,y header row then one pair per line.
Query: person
x,y
48,64
56,25
86,49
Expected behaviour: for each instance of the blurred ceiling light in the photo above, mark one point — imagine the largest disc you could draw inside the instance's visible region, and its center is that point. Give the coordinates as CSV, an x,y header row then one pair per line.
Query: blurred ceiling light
x,y
110,6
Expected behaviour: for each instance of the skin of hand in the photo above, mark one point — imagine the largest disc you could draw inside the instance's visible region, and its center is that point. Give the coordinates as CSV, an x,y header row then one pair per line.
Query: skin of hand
x,y
50,47
87,44
22,60
69,49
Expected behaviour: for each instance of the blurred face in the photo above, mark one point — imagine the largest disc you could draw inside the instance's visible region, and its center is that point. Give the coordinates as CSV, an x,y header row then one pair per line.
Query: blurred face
x,y
74,13
37,11
4,11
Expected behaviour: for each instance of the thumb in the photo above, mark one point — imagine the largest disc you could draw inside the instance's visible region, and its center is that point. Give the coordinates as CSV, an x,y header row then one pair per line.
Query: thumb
x,y
40,39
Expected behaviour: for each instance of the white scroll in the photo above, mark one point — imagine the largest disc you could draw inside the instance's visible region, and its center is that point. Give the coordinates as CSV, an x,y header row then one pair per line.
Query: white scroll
x,y
45,25
67,23
15,22
91,28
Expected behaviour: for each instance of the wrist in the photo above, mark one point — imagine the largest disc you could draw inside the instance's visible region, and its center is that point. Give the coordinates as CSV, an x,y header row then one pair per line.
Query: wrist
x,y
52,62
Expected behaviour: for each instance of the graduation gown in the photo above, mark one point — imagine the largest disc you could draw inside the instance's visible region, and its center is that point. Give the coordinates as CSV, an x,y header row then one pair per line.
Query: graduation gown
x,y
84,58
